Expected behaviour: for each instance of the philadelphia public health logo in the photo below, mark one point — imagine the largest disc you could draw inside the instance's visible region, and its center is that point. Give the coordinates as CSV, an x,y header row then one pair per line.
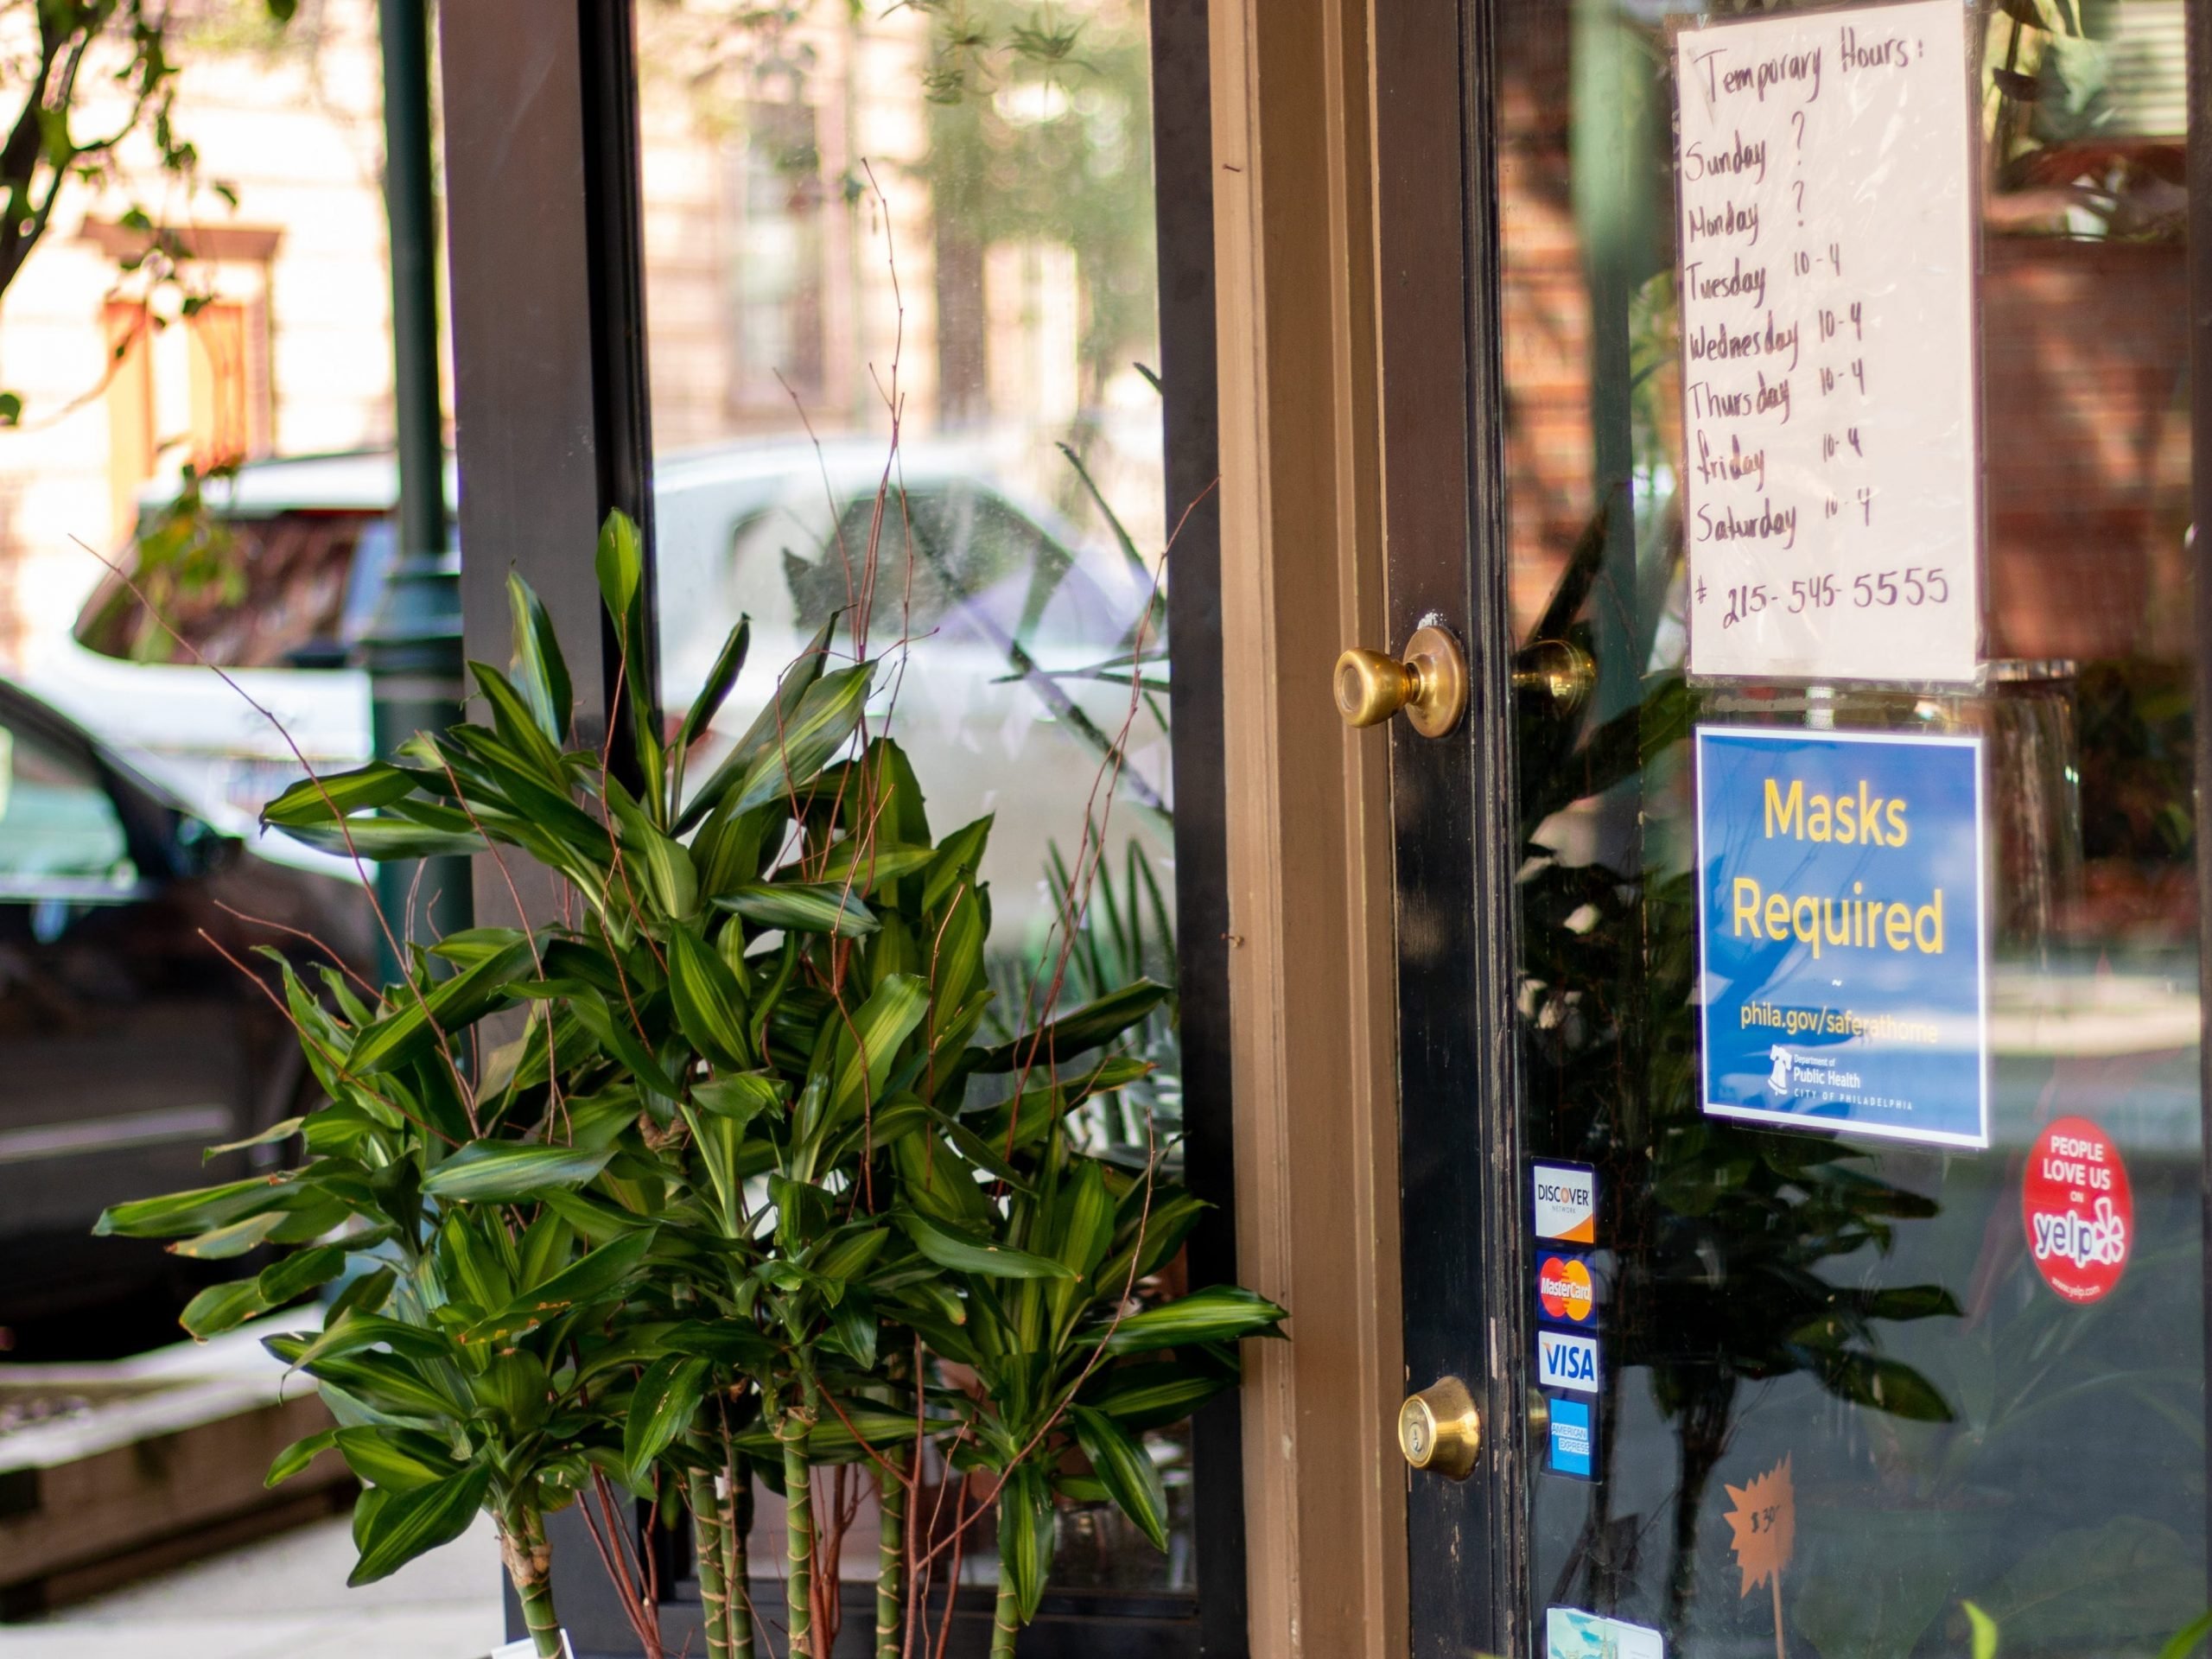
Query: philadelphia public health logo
x,y
1777,1081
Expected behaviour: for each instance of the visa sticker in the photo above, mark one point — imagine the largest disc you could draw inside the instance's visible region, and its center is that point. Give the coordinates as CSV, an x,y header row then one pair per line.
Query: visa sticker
x,y
1570,1633
1567,1201
1566,1360
1574,1435
1567,1290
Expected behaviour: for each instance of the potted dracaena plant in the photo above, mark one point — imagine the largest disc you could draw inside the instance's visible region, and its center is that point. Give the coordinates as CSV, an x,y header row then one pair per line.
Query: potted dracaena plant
x,y
714,1177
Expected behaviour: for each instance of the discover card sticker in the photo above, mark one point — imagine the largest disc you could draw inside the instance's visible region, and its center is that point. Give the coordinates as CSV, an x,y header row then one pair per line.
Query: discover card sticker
x,y
1842,928
1567,1201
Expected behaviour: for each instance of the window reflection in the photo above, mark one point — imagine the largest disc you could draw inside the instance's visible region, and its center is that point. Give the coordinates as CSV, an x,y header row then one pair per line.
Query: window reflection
x,y
1955,1432
900,308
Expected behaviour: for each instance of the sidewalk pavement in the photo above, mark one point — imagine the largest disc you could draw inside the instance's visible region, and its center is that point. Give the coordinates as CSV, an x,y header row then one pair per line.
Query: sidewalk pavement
x,y
286,1598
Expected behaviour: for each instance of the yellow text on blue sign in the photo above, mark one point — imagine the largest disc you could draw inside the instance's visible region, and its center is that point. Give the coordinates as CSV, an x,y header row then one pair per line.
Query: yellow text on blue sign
x,y
1832,921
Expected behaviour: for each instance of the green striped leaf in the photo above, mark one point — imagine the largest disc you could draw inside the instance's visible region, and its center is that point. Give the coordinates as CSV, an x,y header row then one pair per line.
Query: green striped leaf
x,y
960,854
665,1399
803,907
1096,1022
619,1038
619,563
744,1097
1130,1476
384,1383
540,670
781,711
222,1307
408,1524
863,864
413,1028
177,1214
320,800
964,1252
502,1172
298,1455
223,1244
1217,1313
867,1048
708,1001
356,1333
827,717
1152,1396
831,1439
296,1275
590,1280
659,863
728,664
378,840
516,725
1085,1231
1025,1536
397,1459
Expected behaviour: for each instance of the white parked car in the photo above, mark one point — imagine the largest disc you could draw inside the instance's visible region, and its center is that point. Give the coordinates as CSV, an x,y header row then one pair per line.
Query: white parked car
x,y
998,601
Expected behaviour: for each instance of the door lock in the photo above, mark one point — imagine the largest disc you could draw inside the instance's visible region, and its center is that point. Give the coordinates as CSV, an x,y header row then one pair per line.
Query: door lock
x,y
1429,683
1557,669
1440,1428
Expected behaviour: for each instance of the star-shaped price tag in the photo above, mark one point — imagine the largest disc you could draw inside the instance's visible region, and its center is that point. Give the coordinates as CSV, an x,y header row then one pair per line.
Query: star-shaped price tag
x,y
1764,1522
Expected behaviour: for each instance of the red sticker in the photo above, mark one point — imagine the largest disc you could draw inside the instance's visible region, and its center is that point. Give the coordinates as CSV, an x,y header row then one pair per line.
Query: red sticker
x,y
2080,1218
1565,1291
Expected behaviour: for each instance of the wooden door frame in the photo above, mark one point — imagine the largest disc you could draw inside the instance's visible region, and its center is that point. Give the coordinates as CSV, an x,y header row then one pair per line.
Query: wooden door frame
x,y
1308,919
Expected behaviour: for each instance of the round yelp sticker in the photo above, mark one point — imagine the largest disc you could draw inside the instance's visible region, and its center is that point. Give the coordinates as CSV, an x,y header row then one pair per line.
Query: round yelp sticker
x,y
2075,1204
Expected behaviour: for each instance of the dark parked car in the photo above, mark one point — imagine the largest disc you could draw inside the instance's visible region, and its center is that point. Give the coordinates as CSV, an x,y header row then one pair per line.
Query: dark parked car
x,y
128,1044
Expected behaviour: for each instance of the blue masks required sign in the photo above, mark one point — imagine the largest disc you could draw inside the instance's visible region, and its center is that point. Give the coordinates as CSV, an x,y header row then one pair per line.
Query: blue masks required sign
x,y
1841,929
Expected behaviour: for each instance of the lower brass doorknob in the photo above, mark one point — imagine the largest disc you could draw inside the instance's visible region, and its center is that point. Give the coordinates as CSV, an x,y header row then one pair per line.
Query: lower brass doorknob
x,y
1429,683
1440,1428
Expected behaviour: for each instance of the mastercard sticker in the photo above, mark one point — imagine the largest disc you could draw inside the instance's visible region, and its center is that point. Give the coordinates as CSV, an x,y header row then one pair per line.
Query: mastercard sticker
x,y
1567,1290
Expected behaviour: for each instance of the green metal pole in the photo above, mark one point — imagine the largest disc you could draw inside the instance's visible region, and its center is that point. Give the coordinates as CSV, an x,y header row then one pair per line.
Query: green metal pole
x,y
413,652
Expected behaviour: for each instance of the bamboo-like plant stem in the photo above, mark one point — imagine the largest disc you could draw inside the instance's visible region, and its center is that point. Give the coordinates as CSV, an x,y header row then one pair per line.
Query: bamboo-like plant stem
x,y
890,1553
1006,1618
798,1527
710,1549
737,1561
529,1561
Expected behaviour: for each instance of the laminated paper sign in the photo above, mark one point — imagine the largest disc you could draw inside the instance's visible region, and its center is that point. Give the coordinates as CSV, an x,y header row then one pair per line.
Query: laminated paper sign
x,y
1571,1633
1841,933
1829,485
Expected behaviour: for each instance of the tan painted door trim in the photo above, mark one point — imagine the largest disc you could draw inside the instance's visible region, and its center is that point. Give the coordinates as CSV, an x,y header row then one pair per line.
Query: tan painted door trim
x,y
1311,963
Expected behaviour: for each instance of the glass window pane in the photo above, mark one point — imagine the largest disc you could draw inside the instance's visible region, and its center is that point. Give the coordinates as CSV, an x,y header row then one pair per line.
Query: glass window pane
x,y
1876,1328
900,300
56,819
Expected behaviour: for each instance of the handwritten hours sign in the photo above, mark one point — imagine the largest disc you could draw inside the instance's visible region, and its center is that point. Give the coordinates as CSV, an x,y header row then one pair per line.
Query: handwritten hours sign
x,y
1827,345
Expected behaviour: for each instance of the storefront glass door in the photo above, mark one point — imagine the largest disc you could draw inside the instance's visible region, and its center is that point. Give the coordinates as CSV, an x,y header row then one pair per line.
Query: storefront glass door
x,y
1852,1301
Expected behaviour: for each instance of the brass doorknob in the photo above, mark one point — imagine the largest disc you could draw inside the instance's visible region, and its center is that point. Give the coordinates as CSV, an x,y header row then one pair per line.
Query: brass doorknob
x,y
1440,1428
1429,683
1559,669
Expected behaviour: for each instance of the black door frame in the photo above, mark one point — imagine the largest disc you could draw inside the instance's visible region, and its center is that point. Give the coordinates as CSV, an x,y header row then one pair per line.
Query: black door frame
x,y
1454,838
553,431
1452,833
